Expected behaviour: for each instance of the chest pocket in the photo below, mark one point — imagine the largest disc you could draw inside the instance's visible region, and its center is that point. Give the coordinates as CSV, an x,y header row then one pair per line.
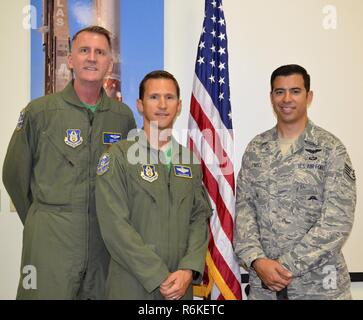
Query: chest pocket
x,y
259,177
143,195
146,208
142,187
56,169
182,185
309,191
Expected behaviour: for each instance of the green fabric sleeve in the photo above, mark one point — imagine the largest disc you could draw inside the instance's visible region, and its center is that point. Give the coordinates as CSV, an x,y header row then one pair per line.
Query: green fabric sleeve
x,y
17,168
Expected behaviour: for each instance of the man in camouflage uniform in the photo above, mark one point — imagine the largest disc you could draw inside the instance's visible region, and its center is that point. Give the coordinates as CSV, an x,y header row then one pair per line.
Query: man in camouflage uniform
x,y
296,197
50,171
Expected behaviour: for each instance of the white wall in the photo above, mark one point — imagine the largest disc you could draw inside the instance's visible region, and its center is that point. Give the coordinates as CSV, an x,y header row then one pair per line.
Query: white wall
x,y
15,93
263,35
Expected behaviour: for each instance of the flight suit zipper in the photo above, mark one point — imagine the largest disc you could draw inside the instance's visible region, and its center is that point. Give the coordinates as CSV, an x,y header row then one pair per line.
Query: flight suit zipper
x,y
166,174
169,209
90,117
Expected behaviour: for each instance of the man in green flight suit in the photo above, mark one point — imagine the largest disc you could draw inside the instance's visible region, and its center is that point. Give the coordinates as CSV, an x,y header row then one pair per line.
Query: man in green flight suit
x,y
151,204
49,173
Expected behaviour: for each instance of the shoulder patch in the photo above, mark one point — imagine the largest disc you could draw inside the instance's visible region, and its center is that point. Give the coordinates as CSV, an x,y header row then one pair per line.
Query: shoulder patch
x,y
20,123
349,172
103,164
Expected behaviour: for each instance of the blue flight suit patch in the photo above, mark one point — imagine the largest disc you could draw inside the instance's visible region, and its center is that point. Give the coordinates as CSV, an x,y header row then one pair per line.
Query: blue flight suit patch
x,y
73,138
111,137
183,171
103,164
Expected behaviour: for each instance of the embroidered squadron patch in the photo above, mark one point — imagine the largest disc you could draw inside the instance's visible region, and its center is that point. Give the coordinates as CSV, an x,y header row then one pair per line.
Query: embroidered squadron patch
x,y
103,164
73,138
183,171
111,137
349,172
148,173
20,123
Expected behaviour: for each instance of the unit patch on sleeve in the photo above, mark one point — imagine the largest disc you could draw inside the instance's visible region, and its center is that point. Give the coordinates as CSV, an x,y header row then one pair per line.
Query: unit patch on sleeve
x,y
73,138
111,137
20,123
103,164
183,171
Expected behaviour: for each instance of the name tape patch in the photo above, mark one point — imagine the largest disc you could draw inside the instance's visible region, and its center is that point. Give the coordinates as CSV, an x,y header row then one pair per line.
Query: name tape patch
x,y
111,137
183,171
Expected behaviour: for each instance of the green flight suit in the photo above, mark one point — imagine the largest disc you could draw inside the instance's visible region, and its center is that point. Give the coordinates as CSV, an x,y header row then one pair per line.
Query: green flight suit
x,y
153,221
49,173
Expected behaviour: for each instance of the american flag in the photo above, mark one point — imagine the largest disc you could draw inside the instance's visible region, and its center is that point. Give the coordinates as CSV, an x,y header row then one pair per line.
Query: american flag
x,y
211,139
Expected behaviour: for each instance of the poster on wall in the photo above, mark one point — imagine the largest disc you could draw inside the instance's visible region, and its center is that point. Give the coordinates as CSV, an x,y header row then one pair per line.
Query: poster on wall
x,y
137,29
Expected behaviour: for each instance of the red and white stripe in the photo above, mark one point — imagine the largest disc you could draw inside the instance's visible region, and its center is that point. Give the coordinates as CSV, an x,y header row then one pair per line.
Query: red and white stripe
x,y
213,144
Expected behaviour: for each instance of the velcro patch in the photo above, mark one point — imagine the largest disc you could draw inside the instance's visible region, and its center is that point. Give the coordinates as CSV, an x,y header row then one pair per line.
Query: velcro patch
x,y
103,164
111,137
73,138
149,173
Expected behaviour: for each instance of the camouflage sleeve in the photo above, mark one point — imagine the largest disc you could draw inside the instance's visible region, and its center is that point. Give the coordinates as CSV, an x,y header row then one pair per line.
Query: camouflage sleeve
x,y
17,168
246,240
326,238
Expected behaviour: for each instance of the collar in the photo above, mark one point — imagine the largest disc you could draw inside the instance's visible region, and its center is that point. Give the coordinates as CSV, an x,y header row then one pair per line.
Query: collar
x,y
307,137
70,95
177,149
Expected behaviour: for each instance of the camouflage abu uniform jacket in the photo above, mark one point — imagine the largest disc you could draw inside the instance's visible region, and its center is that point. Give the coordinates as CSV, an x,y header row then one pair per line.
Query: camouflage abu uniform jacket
x,y
299,209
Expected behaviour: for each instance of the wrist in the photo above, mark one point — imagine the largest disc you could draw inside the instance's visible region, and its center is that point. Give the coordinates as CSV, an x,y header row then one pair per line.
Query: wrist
x,y
255,262
187,271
